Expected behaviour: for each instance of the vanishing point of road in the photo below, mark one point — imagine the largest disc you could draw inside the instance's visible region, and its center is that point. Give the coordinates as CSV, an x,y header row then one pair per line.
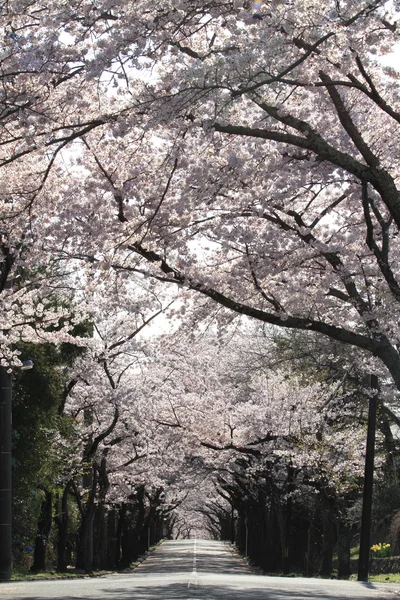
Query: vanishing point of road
x,y
195,570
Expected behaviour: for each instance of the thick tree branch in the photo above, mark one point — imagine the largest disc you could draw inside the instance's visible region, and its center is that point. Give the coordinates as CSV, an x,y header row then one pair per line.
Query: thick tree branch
x,y
91,449
380,179
381,256
310,49
241,449
377,343
348,123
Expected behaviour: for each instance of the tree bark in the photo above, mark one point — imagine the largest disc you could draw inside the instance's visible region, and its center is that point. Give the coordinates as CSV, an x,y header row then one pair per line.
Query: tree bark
x,y
62,522
100,521
343,548
100,538
43,532
112,539
328,538
84,560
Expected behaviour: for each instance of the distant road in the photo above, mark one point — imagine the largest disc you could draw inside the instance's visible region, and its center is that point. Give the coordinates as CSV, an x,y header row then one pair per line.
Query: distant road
x,y
195,570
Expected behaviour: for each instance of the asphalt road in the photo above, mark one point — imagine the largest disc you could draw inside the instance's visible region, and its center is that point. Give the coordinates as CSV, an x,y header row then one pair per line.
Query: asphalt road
x,y
195,570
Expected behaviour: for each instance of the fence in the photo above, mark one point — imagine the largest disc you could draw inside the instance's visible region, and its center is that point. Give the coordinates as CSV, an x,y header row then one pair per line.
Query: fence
x,y
390,564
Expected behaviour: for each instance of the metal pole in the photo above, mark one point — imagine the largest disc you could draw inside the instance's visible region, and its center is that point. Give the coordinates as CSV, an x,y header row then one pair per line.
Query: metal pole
x,y
365,536
232,524
5,474
247,539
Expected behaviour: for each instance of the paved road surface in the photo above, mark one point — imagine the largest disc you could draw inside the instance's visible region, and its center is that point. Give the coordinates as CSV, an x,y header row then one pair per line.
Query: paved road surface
x,y
195,570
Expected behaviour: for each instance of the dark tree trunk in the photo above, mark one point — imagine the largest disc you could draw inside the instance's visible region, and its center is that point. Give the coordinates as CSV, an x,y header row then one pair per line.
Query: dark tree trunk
x,y
100,522
112,557
264,546
62,521
127,537
287,516
241,526
314,542
120,527
96,480
100,538
133,538
140,524
328,539
343,546
287,519
43,532
84,559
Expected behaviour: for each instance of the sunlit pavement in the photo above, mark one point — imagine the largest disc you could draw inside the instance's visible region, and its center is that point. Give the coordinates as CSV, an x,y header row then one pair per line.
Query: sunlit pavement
x,y
195,570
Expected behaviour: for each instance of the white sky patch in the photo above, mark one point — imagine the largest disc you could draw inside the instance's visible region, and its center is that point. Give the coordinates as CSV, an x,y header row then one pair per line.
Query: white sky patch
x,y
393,58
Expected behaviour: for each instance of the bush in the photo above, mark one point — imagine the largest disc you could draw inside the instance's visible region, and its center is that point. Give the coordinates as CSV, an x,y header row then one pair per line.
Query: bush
x,y
380,550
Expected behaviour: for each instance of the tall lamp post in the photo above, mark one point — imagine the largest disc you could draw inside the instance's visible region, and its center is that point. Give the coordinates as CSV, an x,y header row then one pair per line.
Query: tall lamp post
x,y
5,469
363,561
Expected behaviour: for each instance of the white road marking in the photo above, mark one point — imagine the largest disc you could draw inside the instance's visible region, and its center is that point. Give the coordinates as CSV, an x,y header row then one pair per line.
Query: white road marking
x,y
194,572
195,556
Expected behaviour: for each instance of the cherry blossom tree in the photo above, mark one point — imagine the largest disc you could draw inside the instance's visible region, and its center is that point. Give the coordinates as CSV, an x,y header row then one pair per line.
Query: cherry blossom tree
x,y
101,401
266,442
261,175
242,153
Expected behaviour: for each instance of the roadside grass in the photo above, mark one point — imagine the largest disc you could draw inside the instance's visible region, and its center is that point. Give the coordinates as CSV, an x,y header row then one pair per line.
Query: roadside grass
x,y
385,578
381,577
54,575
27,575
22,575
354,552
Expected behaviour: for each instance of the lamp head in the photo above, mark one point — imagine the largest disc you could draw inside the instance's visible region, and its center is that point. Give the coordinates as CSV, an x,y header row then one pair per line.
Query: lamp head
x,y
26,365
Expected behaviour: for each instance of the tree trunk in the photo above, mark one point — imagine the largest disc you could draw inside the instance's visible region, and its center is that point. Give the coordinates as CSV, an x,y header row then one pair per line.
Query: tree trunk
x,y
133,542
343,546
100,538
112,539
140,524
62,521
100,522
43,532
84,559
286,518
120,527
328,536
314,541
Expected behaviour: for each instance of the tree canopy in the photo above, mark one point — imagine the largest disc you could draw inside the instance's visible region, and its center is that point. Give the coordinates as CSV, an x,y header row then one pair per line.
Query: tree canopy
x,y
190,163
247,152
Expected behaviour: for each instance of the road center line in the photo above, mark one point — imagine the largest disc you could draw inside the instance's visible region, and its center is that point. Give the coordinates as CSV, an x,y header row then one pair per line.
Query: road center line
x,y
195,556
194,572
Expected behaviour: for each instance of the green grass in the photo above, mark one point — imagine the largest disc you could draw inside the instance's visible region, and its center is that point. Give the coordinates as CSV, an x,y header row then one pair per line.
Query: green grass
x,y
354,552
27,575
385,578
19,575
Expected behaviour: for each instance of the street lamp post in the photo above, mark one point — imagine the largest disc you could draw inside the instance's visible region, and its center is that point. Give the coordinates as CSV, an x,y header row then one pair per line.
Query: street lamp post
x,y
363,561
246,524
5,469
5,474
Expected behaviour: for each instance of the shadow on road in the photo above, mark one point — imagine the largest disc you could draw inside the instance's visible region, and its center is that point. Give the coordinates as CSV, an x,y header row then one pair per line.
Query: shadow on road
x,y
167,565
174,556
165,590
181,592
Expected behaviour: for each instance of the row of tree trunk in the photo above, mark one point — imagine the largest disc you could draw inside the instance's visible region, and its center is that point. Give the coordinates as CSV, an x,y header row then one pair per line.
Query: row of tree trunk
x,y
107,537
282,534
